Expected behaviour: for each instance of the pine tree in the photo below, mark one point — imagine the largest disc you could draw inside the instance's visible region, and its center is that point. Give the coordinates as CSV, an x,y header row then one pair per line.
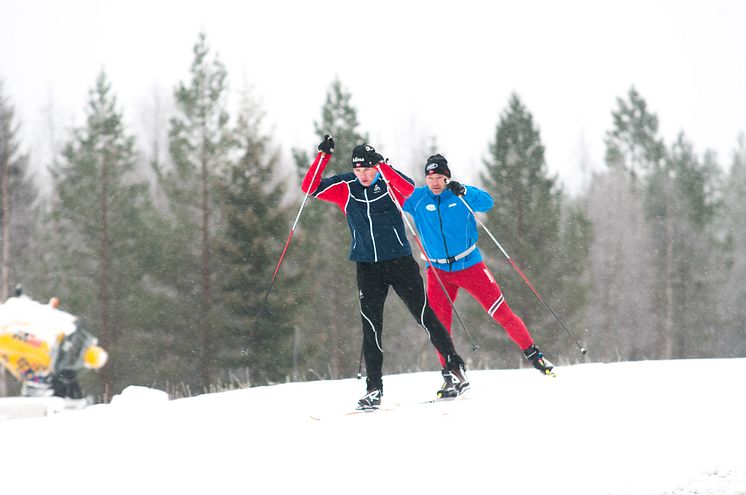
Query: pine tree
x,y
324,243
680,211
571,272
621,301
633,144
201,144
251,196
98,223
732,292
17,194
526,215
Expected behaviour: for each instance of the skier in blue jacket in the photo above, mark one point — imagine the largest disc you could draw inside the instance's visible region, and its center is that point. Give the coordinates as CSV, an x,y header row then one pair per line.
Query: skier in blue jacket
x,y
448,232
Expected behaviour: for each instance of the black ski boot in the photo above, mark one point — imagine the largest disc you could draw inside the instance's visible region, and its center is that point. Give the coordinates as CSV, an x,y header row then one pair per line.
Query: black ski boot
x,y
538,361
371,400
448,390
457,370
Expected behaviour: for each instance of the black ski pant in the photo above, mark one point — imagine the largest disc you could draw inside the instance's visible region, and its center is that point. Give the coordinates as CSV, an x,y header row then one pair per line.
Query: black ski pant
x,y
373,281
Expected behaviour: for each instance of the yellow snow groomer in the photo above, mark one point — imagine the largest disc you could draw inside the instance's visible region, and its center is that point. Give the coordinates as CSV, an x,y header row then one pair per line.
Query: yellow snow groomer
x,y
44,347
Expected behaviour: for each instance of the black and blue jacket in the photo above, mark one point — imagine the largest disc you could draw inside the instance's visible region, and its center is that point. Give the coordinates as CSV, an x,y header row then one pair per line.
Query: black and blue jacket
x,y
376,225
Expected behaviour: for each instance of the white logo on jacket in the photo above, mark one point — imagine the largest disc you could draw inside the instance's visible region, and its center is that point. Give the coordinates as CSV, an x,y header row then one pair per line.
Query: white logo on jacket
x,y
430,207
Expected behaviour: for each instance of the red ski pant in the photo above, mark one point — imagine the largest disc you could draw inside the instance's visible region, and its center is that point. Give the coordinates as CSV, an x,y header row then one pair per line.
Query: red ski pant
x,y
479,282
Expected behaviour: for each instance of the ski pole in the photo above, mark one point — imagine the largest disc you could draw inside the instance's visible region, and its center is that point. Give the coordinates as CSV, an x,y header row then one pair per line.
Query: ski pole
x,y
474,346
582,349
317,164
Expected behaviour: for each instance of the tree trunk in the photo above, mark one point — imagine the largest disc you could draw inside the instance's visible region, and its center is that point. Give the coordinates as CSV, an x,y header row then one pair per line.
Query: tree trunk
x,y
104,295
5,253
611,299
668,329
205,350
6,229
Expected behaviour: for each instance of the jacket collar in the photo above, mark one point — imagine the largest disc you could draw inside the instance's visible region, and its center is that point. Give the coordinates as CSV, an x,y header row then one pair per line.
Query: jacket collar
x,y
446,194
375,179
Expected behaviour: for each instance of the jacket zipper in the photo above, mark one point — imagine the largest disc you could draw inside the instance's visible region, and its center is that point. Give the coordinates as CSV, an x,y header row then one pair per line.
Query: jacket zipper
x,y
370,221
440,219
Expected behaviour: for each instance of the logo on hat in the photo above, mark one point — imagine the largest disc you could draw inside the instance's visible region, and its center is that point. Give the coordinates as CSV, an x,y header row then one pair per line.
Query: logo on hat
x,y
363,156
437,164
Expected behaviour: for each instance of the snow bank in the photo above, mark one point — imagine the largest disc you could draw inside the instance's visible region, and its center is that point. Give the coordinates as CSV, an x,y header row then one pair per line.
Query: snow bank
x,y
645,428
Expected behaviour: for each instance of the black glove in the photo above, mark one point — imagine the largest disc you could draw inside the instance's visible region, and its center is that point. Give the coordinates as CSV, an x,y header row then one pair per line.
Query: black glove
x,y
456,188
376,158
327,145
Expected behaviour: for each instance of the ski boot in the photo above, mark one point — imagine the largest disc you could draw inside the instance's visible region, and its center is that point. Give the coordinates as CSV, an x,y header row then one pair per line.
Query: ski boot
x,y
371,400
538,361
448,389
455,366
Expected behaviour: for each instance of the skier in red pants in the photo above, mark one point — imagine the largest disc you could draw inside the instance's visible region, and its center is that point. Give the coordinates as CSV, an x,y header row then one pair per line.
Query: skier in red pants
x,y
449,235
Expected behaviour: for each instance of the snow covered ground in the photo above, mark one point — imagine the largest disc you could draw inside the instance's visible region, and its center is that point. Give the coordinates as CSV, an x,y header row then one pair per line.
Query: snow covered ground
x,y
664,427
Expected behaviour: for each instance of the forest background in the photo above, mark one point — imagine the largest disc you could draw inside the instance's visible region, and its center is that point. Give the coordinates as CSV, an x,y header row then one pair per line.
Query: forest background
x,y
165,243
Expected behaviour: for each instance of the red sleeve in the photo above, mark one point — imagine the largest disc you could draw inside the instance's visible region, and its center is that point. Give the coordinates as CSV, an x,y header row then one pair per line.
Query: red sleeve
x,y
401,185
331,189
313,176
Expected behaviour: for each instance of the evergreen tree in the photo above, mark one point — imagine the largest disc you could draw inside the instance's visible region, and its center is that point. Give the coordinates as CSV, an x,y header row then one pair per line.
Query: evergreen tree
x,y
621,304
331,330
98,224
733,291
201,145
526,216
680,211
571,271
251,196
17,194
633,144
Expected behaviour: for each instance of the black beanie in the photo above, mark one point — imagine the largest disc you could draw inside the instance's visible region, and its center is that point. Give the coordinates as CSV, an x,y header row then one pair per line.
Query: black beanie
x,y
437,164
364,155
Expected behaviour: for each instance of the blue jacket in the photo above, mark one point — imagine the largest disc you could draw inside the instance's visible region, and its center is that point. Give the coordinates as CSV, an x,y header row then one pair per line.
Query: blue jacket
x,y
446,227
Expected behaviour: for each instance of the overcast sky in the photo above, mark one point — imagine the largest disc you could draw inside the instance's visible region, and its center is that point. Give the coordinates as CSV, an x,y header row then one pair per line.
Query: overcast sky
x,y
414,68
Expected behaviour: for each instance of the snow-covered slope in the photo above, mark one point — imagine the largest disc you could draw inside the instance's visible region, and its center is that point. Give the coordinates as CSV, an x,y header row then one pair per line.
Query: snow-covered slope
x,y
665,427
